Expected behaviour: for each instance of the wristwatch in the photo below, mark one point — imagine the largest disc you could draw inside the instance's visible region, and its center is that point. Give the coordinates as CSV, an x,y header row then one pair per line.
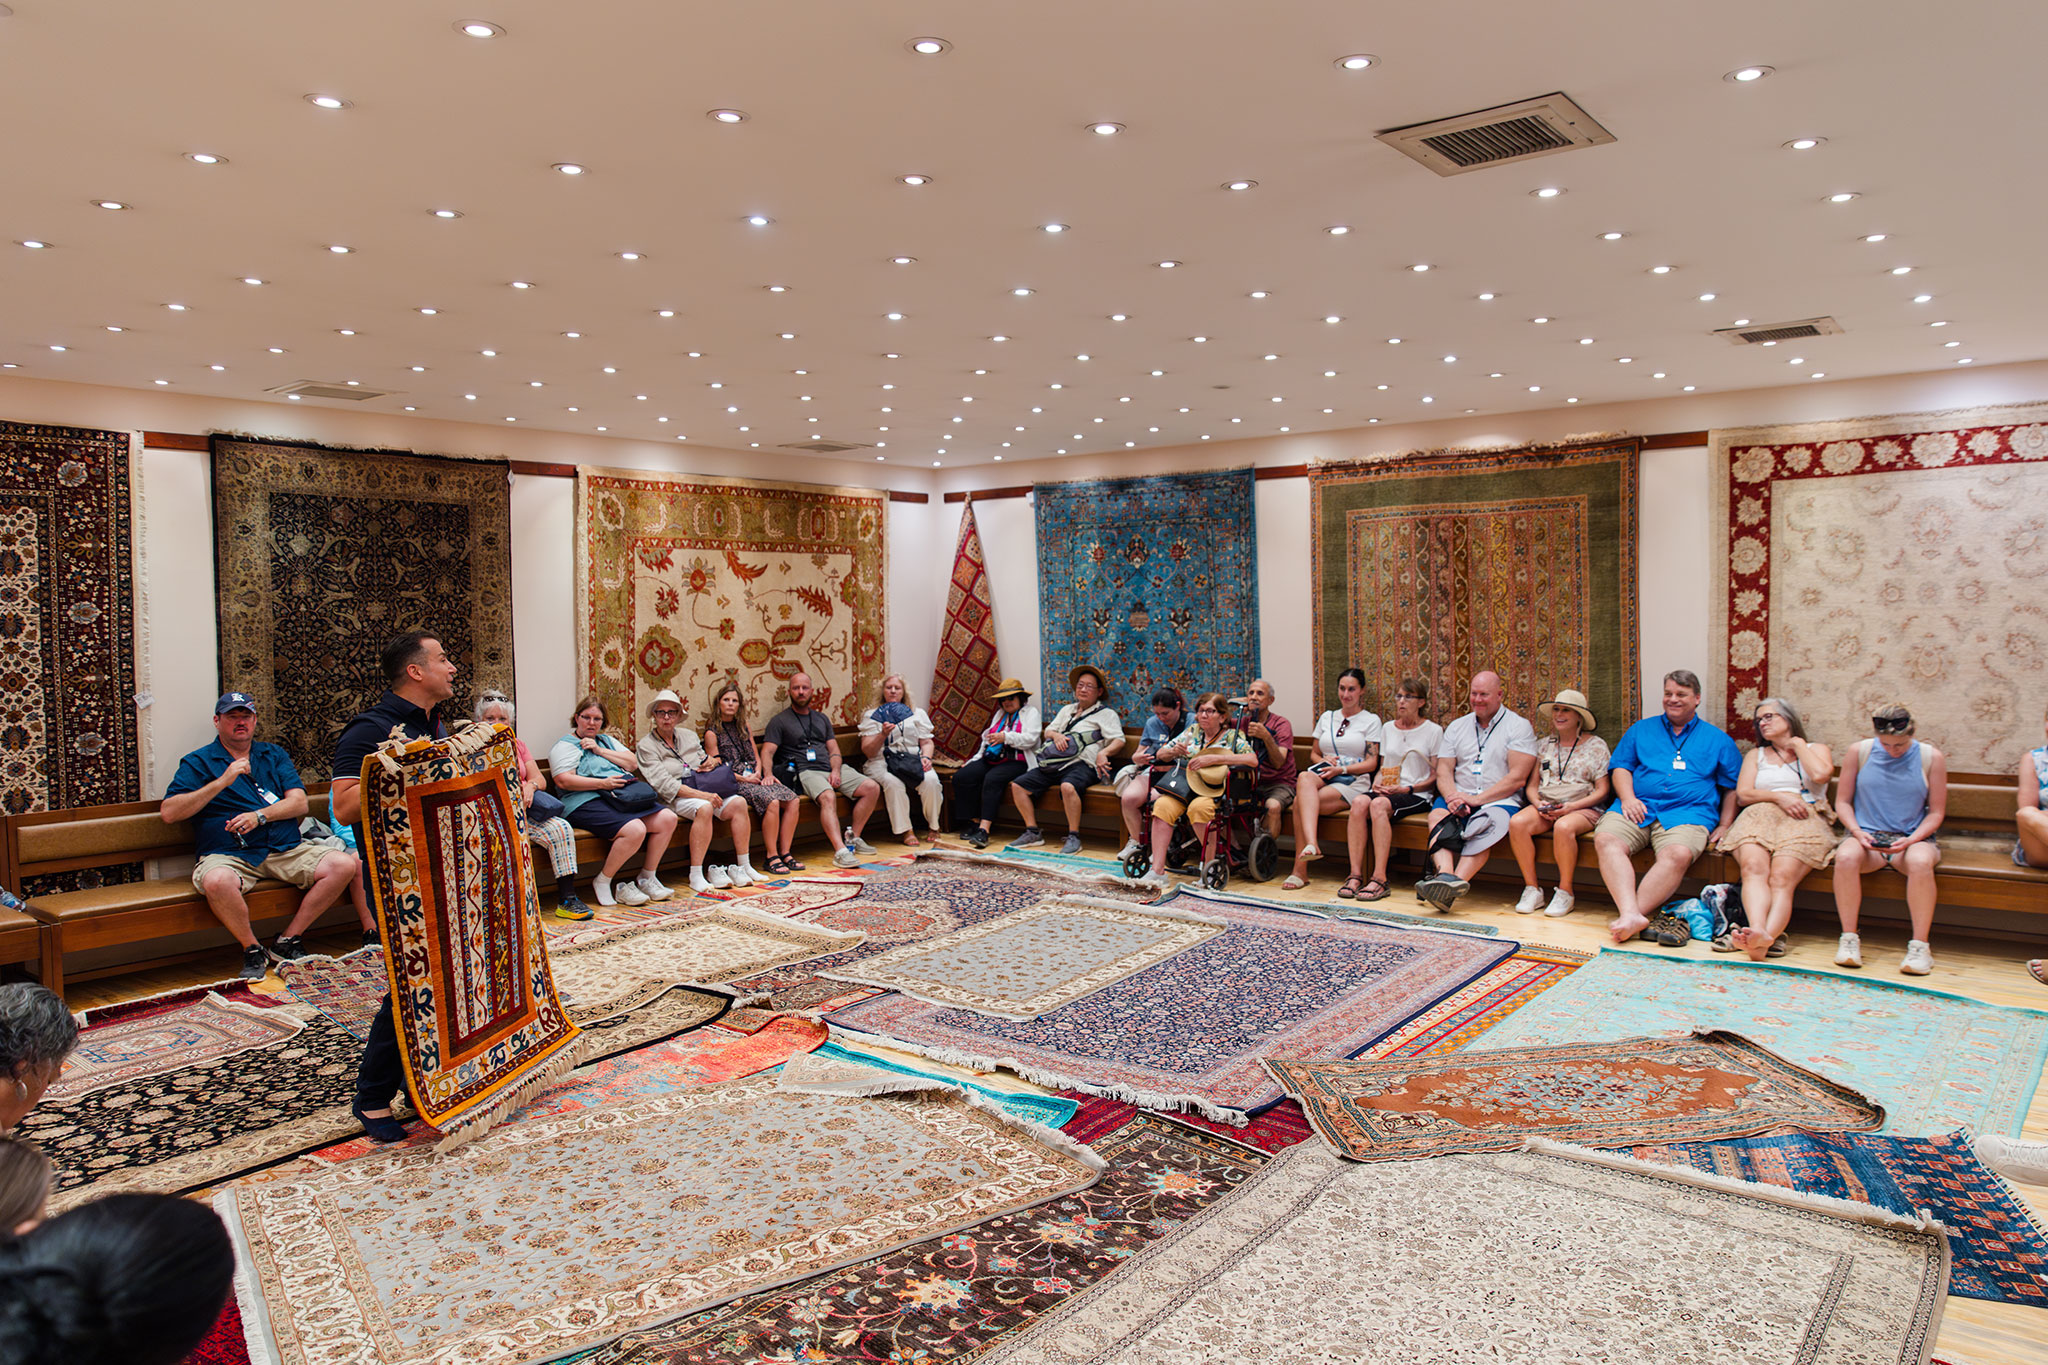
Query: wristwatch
x,y
259,817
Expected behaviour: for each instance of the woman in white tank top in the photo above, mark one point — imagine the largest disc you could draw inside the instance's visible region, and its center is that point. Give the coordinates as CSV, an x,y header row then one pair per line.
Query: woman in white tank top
x,y
1784,830
1347,751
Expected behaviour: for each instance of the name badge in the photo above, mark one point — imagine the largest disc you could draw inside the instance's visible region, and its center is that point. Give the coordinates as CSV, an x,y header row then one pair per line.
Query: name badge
x,y
270,798
810,755
1678,763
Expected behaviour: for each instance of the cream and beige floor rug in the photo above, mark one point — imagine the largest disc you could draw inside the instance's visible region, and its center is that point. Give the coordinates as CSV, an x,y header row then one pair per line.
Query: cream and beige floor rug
x,y
608,974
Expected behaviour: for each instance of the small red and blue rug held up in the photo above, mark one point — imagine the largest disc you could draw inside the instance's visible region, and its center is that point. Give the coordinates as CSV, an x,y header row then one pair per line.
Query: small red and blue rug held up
x,y
480,1024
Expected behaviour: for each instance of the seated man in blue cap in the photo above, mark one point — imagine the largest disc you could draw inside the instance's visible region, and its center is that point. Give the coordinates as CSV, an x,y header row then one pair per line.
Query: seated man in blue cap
x,y
246,799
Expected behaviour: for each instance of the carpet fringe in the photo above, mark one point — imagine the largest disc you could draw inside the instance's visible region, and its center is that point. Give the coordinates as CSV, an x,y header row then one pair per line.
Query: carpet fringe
x,y
1294,907
1053,1080
480,1121
846,938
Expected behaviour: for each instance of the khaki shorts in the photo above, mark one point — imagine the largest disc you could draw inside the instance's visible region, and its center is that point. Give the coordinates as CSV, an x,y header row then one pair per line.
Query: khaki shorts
x,y
1652,836
1202,810
817,781
300,866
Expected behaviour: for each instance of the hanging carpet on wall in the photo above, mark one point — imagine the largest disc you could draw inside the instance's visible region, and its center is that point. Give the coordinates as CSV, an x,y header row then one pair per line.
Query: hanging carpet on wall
x,y
1155,581
967,674
323,555
1450,563
70,655
684,581
1881,560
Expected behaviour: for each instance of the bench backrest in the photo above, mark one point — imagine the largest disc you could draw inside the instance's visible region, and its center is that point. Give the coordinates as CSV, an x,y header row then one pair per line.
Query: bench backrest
x,y
43,842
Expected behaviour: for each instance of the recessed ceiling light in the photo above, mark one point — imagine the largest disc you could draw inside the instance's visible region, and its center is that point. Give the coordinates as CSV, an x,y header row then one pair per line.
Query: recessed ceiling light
x,y
33,245
1535,388
1495,375
1393,341
340,250
1539,320
1690,387
1951,343
1818,374
111,328
631,256
493,353
928,47
175,307
914,180
1923,298
206,158
1612,236
1021,292
1660,270
1966,360
1259,294
1333,318
893,317
572,168
695,355
573,336
665,312
1358,61
534,384
60,348
1745,74
726,115
1054,227
998,337
886,355
776,288
758,220
1902,270
470,397
1105,129
1625,360
1547,192
1486,298
446,213
295,398
1338,230
1240,185
477,28
277,350
1119,317
1271,356
250,279
328,101
1805,144
1381,387
1168,265
1585,341
421,369
345,331
1742,322
1658,375
1875,237
217,368
114,204
522,284
1198,338
1571,400
1707,298
1329,374
1450,360
1427,399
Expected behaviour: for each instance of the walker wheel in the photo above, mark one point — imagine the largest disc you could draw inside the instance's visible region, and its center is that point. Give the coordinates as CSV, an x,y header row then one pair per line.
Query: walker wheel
x,y
1262,858
1216,875
1138,864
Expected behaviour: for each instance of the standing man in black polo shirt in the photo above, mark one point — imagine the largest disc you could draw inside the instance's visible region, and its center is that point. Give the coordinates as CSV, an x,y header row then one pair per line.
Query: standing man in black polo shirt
x,y
420,676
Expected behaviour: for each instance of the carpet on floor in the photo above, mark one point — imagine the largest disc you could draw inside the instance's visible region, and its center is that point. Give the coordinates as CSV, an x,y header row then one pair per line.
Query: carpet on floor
x,y
623,969
318,550
560,1233
1614,1094
1190,896
956,1296
779,896
1549,1257
1440,564
1884,560
129,1042
1936,1062
1269,1130
1167,599
967,671
847,1065
1188,1033
2000,1252
1033,961
450,876
934,896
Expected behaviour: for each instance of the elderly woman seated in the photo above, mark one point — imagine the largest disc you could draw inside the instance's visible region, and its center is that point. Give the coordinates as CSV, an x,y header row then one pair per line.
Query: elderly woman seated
x,y
546,822
36,1034
599,780
897,740
1209,743
699,789
1347,754
1784,830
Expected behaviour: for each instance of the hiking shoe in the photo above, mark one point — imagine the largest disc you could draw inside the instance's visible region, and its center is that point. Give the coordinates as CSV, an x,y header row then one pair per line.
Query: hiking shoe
x,y
863,847
1436,890
1531,901
1455,886
372,939
255,963
1668,931
1030,838
627,893
288,949
1919,959
572,908
976,837
1560,904
1072,844
1849,951
846,857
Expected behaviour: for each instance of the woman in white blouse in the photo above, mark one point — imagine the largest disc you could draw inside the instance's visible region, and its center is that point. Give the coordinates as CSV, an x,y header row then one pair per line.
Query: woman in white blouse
x,y
1407,777
1347,751
894,727
1785,830
1568,788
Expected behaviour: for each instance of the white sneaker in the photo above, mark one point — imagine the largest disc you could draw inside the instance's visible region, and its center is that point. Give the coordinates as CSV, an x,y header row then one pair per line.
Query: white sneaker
x,y
629,893
1560,904
1531,901
698,883
1919,958
719,878
1128,850
846,857
1849,952
863,847
739,874
2015,1158
603,887
651,887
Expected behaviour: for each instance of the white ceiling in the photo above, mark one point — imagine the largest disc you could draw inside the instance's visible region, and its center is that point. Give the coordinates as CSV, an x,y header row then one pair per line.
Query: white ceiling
x,y
1932,116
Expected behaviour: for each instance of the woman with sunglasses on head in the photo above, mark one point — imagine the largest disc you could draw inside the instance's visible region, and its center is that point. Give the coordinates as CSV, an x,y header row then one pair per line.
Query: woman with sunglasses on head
x,y
1785,829
1347,754
1892,797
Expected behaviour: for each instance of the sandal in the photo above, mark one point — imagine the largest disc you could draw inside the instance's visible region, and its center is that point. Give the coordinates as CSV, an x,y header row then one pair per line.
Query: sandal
x,y
1375,890
1349,891
1669,931
1294,882
2038,969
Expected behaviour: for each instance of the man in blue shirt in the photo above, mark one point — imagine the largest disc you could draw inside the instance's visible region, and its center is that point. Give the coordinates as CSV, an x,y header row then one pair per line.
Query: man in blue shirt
x,y
245,800
1674,792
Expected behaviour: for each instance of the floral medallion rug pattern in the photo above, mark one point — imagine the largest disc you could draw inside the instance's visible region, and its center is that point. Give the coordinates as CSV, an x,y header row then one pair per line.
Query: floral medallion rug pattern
x,y
1936,1062
1887,559
1187,1033
685,581
322,554
1457,1260
1714,1085
560,1233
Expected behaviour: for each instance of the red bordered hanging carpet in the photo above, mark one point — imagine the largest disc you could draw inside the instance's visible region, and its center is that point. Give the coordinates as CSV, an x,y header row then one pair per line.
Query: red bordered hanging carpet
x,y
967,673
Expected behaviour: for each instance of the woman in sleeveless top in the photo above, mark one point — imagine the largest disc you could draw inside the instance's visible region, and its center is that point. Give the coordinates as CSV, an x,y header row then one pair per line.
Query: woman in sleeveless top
x,y
1784,830
1347,744
727,736
1891,799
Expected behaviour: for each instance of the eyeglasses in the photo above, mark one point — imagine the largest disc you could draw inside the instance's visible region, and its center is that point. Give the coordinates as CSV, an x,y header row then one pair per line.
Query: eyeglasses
x,y
1343,725
1891,725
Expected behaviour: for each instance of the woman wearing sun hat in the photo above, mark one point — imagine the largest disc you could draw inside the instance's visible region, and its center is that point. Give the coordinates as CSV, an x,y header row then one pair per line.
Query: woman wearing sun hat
x,y
1568,788
1009,748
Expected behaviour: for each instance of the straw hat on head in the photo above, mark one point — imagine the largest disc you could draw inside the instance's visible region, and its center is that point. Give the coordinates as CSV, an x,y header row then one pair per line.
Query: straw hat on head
x,y
1074,678
1571,700
1011,688
666,695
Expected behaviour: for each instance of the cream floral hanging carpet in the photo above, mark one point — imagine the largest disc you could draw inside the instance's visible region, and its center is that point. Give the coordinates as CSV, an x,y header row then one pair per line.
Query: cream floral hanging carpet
x,y
684,581
1888,559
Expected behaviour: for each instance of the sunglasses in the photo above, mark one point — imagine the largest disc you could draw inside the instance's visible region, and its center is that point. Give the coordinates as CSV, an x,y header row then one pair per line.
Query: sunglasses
x,y
1343,725
1891,725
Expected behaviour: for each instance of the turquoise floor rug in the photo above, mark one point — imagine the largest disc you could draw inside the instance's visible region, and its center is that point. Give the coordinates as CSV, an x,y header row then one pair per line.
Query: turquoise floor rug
x,y
1936,1062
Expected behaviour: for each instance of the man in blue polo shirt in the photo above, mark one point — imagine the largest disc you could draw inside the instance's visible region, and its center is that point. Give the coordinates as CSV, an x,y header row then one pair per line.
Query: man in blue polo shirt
x,y
1674,792
246,800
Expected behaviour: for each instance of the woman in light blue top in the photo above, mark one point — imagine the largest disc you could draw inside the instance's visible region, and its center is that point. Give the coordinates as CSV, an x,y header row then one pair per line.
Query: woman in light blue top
x,y
1891,798
592,771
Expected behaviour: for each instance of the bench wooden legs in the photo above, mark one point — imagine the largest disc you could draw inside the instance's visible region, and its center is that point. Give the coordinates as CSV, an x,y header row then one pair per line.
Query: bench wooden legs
x,y
52,963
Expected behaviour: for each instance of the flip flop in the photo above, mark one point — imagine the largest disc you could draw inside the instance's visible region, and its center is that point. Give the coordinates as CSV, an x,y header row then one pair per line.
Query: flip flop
x,y
1293,883
1375,890
1349,891
2038,969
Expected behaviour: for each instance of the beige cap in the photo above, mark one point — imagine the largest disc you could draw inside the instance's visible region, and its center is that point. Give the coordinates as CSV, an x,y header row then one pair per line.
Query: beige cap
x,y
666,695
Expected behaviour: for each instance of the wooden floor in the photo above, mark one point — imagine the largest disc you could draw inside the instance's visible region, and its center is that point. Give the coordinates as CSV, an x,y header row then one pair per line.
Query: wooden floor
x,y
1973,1331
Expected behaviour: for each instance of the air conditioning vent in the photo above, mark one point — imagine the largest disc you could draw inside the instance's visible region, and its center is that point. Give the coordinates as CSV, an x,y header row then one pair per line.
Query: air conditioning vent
x,y
318,388
1762,333
825,445
1494,137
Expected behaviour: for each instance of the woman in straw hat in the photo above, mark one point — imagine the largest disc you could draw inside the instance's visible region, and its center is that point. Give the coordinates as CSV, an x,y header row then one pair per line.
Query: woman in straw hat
x,y
1568,788
1009,749
1785,830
